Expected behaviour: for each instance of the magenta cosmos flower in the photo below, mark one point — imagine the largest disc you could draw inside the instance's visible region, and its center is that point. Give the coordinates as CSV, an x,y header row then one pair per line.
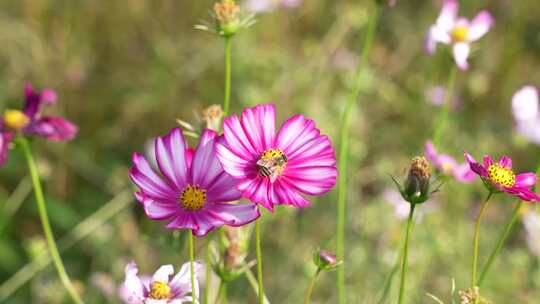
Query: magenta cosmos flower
x,y
499,177
457,31
447,165
193,194
276,169
29,121
160,289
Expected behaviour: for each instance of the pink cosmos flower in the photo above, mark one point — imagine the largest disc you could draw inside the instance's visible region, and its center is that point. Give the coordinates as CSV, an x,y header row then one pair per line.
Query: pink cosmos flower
x,y
526,113
259,6
276,169
193,194
446,164
29,121
160,289
457,31
499,177
531,222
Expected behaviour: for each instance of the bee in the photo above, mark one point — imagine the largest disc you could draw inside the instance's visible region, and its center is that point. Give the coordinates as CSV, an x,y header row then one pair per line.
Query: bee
x,y
272,167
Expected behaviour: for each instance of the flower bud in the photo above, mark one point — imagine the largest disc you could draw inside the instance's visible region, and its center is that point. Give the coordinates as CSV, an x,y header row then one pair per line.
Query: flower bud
x,y
415,190
471,296
212,117
227,14
325,260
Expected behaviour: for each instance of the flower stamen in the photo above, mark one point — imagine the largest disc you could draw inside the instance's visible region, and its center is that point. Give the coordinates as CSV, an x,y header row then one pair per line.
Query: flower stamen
x,y
193,198
160,291
272,163
459,33
501,176
15,119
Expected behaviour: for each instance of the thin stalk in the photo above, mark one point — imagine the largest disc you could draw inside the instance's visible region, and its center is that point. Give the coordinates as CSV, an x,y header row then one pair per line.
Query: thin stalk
x,y
227,97
222,293
253,282
42,209
405,256
192,267
388,282
259,260
500,241
208,273
343,150
476,239
443,114
311,285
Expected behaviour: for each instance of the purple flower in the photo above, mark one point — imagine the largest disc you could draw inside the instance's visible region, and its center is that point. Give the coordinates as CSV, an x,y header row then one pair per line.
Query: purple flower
x,y
29,121
499,177
258,6
160,289
276,169
526,114
192,194
457,31
447,165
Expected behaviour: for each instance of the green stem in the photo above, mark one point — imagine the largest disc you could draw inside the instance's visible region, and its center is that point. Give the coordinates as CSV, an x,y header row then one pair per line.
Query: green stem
x,y
343,150
192,266
405,255
500,241
208,273
311,285
40,200
443,114
476,239
253,282
222,293
227,97
259,260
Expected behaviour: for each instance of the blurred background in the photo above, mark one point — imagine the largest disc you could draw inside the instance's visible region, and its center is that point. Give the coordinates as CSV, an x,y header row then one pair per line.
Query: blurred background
x,y
125,71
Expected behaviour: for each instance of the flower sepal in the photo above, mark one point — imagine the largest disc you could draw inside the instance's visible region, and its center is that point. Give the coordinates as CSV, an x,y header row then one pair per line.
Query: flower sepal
x,y
416,189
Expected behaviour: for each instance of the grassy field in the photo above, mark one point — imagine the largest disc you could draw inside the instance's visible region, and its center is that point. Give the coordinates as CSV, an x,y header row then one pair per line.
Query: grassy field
x,y
124,71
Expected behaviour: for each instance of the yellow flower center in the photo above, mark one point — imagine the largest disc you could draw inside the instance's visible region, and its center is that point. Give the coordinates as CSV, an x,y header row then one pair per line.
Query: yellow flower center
x,y
15,119
193,198
271,163
160,291
459,33
501,176
447,166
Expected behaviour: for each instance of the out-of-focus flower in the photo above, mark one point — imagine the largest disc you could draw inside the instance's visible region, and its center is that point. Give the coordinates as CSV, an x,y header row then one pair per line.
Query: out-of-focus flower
x,y
325,260
212,117
193,194
499,177
526,113
259,6
29,121
229,259
436,95
277,169
402,207
457,31
447,165
471,296
415,189
160,289
531,221
227,19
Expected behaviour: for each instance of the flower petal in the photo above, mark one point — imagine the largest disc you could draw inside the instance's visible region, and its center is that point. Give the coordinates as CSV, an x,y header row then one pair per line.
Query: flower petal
x,y
296,132
149,182
288,196
171,157
475,166
156,210
259,124
133,287
237,140
53,128
184,220
448,15
461,52
316,152
525,104
523,193
235,215
181,282
163,273
525,180
223,189
430,151
5,139
480,25
463,173
505,162
205,166
256,190
232,163
488,161
314,180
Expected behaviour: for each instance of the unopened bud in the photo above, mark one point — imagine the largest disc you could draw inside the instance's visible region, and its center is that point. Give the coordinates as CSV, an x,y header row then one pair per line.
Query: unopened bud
x,y
227,14
212,117
325,260
471,296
